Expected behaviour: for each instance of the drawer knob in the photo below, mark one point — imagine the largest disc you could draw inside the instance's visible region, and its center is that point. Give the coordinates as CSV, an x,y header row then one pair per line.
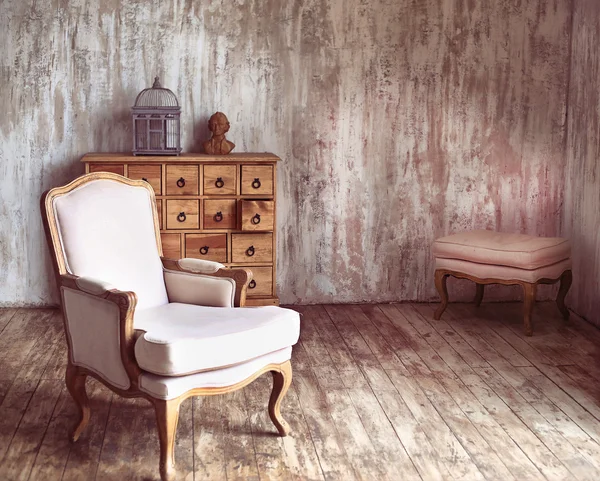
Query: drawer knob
x,y
144,179
204,250
218,216
250,251
252,284
219,183
256,184
181,182
181,217
256,219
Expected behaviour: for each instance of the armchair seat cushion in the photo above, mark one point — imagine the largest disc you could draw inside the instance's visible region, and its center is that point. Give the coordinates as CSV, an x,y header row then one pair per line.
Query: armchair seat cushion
x,y
182,339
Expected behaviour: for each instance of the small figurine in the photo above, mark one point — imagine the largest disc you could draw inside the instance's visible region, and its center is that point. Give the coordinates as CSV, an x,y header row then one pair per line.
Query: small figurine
x,y
218,144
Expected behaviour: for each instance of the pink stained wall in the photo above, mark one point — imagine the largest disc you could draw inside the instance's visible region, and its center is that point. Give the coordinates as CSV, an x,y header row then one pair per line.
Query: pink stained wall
x,y
397,122
582,189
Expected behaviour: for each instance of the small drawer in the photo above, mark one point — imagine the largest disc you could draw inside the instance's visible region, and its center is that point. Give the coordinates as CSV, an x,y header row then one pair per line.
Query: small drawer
x,y
257,180
149,173
114,168
257,214
261,284
210,247
182,180
219,214
159,210
182,214
252,248
220,179
171,245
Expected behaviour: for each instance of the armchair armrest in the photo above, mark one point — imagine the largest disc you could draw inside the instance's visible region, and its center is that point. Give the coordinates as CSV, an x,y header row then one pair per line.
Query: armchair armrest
x,y
99,325
241,277
94,286
199,265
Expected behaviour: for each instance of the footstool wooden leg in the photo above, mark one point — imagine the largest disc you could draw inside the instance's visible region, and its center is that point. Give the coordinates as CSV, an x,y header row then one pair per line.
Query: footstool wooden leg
x,y
440,285
565,284
529,291
479,294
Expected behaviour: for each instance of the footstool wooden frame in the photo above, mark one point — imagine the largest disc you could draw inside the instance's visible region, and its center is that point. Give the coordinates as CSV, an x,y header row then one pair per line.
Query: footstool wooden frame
x,y
488,257
529,290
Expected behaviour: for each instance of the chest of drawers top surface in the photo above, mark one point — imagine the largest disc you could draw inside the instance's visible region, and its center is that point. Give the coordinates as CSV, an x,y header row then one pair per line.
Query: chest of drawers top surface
x,y
219,208
117,157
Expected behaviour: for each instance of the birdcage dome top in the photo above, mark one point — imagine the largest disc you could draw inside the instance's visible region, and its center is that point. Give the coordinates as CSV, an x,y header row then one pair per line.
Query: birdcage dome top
x,y
156,97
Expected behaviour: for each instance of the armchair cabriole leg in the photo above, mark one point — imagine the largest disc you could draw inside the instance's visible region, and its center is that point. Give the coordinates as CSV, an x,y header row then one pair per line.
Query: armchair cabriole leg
x,y
479,294
281,382
440,284
167,416
75,380
565,284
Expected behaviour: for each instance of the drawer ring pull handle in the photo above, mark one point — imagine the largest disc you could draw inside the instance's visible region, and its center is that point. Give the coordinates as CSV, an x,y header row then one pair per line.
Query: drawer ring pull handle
x,y
256,219
144,179
252,284
218,216
181,182
181,217
204,250
256,184
250,251
219,183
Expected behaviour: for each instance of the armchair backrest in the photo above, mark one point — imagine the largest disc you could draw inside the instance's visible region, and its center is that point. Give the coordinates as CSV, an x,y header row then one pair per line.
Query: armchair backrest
x,y
105,226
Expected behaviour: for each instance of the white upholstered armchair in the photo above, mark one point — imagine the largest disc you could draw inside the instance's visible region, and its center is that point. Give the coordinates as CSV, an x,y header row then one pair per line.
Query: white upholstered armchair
x,y
150,327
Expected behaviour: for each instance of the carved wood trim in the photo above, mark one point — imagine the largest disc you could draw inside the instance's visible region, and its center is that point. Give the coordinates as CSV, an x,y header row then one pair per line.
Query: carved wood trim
x,y
126,302
49,214
529,291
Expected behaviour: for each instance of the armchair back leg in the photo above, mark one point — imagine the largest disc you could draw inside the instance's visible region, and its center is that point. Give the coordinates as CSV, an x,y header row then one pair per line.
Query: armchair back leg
x,y
75,379
281,382
167,417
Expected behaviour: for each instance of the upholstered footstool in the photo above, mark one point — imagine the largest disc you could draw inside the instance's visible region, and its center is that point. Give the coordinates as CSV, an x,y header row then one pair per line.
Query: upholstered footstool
x,y
488,257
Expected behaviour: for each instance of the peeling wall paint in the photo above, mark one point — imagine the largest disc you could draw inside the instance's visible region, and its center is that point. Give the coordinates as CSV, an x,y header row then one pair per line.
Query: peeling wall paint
x,y
582,195
398,121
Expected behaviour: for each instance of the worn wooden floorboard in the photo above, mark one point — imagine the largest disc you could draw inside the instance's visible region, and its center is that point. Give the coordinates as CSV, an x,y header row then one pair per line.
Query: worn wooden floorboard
x,y
379,392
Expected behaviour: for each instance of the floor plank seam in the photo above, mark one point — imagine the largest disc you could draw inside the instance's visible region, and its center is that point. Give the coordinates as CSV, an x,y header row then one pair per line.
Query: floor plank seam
x,y
19,423
44,435
110,407
309,431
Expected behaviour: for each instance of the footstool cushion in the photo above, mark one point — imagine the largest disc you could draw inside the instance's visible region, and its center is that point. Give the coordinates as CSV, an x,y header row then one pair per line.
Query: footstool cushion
x,y
503,249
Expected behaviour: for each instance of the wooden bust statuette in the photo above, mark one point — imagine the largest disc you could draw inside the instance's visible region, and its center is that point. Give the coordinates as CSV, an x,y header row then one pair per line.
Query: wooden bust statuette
x,y
218,144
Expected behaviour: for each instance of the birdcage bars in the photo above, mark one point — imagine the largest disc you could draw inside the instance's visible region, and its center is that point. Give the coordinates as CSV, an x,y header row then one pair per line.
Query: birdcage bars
x,y
156,122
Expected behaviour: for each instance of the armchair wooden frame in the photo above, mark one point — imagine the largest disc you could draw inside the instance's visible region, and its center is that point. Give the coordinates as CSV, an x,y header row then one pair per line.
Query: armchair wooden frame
x,y
167,411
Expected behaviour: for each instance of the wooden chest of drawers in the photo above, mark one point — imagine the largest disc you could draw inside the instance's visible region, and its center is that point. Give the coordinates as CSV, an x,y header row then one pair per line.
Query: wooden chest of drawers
x,y
218,208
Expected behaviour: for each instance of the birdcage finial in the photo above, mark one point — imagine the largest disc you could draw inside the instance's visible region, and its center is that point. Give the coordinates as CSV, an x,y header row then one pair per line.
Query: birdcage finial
x,y
156,84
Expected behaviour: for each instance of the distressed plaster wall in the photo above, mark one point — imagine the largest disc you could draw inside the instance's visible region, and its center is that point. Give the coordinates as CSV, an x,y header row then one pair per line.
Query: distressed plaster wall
x,y
582,197
398,121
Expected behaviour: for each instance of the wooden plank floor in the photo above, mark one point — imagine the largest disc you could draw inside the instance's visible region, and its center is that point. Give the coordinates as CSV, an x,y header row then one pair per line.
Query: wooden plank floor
x,y
379,392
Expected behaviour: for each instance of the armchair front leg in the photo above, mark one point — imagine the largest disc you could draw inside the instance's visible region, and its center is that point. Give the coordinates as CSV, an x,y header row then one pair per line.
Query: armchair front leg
x,y
167,417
